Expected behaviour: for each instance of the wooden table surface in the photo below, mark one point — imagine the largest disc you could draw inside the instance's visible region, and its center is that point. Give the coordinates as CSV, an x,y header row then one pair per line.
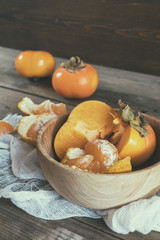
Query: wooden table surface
x,y
139,90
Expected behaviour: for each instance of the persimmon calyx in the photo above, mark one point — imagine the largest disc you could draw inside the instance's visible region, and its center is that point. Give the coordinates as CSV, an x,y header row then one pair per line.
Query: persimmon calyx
x,y
74,64
135,119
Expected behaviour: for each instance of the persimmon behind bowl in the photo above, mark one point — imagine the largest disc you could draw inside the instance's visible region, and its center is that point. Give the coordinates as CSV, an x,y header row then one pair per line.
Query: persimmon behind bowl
x,y
97,191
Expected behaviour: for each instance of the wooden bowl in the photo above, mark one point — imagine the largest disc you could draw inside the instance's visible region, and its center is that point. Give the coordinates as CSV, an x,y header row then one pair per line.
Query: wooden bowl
x,y
97,191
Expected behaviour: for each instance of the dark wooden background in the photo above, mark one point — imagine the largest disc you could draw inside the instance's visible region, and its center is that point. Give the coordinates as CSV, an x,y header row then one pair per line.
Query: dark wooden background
x,y
123,34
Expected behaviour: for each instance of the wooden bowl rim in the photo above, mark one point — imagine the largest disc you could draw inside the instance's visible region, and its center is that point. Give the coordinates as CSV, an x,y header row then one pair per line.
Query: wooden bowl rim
x,y
54,161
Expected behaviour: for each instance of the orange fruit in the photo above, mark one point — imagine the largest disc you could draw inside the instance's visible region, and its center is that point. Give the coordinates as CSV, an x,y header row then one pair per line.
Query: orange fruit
x,y
104,152
123,165
94,166
6,127
76,158
88,120
29,126
28,107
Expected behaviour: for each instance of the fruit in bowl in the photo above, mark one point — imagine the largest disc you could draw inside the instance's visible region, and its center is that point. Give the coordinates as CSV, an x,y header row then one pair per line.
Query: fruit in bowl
x,y
89,120
98,129
96,190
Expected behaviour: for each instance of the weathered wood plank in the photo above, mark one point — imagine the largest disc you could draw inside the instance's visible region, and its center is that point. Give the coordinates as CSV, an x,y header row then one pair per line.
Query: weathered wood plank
x,y
16,224
139,90
110,79
121,34
9,99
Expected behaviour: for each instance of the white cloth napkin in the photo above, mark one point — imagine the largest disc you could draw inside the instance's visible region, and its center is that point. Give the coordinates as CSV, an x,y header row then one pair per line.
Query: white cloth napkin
x,y
22,180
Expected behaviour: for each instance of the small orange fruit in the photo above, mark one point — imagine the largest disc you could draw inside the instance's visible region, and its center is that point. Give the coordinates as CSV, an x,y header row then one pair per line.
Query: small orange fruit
x,y
6,127
28,107
104,152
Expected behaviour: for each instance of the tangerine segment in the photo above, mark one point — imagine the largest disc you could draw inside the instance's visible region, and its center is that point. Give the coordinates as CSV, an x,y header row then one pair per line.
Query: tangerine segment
x,y
30,125
28,107
75,157
104,152
123,165
6,127
73,153
94,167
80,162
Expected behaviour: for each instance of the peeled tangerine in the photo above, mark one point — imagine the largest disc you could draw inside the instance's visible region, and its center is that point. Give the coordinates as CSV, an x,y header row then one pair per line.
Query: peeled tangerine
x,y
28,107
99,156
89,120
30,125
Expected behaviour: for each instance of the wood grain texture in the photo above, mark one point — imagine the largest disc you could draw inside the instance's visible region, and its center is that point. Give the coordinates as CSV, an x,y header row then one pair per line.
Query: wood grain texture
x,y
16,224
120,34
23,226
140,90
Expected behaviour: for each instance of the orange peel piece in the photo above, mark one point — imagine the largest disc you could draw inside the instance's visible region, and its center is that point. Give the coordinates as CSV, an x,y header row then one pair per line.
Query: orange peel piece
x,y
28,107
29,126
6,127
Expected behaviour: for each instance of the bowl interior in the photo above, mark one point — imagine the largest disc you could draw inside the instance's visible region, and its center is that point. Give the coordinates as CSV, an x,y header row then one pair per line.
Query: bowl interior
x,y
48,132
98,191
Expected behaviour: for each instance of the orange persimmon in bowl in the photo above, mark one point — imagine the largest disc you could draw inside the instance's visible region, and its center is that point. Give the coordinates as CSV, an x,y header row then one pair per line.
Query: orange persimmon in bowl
x,y
133,135
97,191
88,120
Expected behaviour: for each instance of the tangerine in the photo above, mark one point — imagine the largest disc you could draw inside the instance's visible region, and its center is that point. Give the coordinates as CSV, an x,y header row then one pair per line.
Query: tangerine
x,y
104,152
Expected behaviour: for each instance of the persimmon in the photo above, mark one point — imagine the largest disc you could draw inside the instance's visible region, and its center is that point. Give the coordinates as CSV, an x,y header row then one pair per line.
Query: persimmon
x,y
140,148
75,79
35,64
88,120
122,166
133,136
